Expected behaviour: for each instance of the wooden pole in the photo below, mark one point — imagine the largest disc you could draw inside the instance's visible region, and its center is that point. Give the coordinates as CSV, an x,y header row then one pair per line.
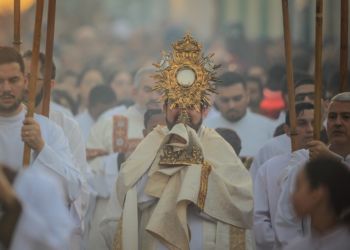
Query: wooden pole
x,y
318,69
344,23
50,33
17,25
290,81
34,72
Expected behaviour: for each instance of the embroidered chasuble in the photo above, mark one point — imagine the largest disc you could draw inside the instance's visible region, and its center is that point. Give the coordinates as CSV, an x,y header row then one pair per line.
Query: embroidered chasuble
x,y
191,195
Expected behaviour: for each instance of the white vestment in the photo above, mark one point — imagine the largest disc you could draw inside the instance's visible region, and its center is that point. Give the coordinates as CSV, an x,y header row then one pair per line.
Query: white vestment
x,y
118,110
77,147
55,158
57,107
167,198
44,222
281,118
267,190
105,167
275,146
85,122
253,130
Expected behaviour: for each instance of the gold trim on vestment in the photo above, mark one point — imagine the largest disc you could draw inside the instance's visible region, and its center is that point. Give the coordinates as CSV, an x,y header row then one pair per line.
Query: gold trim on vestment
x,y
203,188
118,240
237,238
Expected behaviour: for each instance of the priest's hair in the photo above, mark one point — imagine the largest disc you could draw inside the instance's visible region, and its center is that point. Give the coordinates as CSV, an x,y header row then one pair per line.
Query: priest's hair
x,y
341,97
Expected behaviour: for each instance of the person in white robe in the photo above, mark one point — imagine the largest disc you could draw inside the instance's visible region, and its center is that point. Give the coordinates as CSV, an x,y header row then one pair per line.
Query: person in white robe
x,y
44,222
288,225
321,193
50,148
142,173
152,118
304,90
101,99
233,101
102,138
86,122
275,146
118,110
267,187
183,187
59,108
76,144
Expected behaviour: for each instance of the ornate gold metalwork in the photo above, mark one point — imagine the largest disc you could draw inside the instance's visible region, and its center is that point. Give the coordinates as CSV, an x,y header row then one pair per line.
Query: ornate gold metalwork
x,y
172,157
185,77
203,188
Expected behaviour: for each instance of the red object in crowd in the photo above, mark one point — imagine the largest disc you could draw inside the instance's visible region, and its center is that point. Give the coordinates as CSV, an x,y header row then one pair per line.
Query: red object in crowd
x,y
272,104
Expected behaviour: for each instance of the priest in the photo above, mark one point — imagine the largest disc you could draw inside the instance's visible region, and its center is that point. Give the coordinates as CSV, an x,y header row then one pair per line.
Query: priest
x,y
183,187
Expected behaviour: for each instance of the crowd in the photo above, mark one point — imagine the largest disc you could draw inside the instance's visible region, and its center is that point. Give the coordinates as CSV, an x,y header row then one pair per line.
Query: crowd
x,y
94,156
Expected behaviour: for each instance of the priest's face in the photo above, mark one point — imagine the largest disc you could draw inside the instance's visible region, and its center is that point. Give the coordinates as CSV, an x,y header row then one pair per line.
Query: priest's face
x,y
12,85
304,128
232,102
172,116
338,124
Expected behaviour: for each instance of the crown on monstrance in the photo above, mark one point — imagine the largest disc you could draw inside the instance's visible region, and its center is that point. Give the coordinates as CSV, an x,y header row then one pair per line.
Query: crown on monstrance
x,y
185,77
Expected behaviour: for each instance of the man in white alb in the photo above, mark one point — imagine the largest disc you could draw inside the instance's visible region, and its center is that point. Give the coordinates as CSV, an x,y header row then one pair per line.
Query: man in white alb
x,y
287,225
270,175
103,138
233,101
75,140
304,89
49,146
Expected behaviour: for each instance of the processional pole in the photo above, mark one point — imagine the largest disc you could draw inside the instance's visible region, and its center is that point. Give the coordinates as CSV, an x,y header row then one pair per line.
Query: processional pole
x,y
50,33
344,23
290,81
318,69
34,72
17,25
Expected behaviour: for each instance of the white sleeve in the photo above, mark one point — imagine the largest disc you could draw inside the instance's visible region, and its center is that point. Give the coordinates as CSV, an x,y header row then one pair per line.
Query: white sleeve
x,y
45,222
109,223
259,159
263,231
288,225
103,178
77,147
254,168
56,159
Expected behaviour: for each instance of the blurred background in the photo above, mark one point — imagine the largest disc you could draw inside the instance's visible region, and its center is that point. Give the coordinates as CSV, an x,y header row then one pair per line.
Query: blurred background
x,y
113,36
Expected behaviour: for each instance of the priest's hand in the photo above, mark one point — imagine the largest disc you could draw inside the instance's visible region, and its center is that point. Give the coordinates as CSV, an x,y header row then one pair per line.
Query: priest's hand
x,y
31,134
319,149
